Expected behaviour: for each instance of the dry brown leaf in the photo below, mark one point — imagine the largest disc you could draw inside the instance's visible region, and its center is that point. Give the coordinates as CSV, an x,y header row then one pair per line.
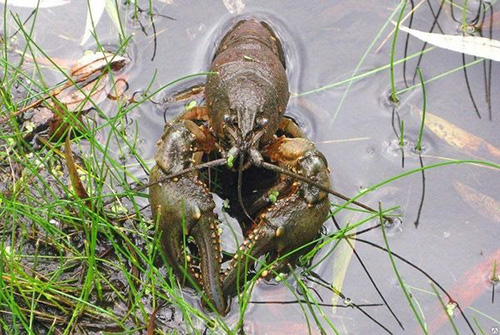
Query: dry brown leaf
x,y
96,62
86,71
57,128
493,23
342,260
151,322
457,137
481,203
35,4
73,173
84,98
235,6
61,119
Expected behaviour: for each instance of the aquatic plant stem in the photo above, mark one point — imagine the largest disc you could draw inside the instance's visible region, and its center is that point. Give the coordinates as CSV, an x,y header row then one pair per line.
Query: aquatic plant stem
x,y
464,16
424,107
394,96
401,283
402,134
445,309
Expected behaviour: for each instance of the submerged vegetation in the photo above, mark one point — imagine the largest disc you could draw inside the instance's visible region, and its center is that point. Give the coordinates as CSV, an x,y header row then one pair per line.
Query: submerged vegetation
x,y
78,249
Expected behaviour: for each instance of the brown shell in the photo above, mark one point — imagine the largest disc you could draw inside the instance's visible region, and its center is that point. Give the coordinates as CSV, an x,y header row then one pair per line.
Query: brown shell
x,y
251,80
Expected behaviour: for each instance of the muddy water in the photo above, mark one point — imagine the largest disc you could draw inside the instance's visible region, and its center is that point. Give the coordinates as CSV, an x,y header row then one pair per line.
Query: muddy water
x,y
357,127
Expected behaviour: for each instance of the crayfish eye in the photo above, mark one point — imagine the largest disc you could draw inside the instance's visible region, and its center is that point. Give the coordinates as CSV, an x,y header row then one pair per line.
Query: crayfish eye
x,y
262,122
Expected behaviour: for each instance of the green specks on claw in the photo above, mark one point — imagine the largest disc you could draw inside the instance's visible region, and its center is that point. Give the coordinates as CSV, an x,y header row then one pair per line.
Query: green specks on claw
x,y
280,277
230,161
273,197
190,105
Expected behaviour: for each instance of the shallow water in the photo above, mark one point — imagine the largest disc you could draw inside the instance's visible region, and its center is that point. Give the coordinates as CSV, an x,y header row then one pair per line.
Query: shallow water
x,y
353,125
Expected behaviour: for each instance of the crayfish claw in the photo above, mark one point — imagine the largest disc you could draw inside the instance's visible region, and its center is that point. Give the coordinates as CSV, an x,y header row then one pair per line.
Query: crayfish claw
x,y
183,207
207,241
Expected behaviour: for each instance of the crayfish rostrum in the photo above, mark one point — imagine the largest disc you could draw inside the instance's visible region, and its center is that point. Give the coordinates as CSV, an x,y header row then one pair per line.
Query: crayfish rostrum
x,y
243,125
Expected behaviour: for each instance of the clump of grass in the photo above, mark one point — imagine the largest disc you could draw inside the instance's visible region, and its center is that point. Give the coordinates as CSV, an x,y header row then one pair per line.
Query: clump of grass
x,y
66,264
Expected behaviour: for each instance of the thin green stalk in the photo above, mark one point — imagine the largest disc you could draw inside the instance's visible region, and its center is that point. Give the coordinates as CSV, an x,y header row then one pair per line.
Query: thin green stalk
x,y
478,325
495,278
5,48
361,76
361,61
402,135
407,173
122,31
445,309
424,107
400,280
394,96
497,321
444,74
464,16
305,294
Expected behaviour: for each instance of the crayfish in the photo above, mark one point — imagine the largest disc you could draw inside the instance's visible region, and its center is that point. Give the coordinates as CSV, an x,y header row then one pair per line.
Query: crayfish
x,y
244,127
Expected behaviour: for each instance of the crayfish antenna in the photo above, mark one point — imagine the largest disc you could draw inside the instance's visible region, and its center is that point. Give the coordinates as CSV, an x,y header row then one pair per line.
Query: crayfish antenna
x,y
278,169
214,163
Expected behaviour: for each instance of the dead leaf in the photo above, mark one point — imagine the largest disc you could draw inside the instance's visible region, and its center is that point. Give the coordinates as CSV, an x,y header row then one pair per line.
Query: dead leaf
x,y
84,98
73,172
96,62
36,4
492,23
235,6
151,323
85,72
113,11
95,9
481,203
57,128
470,45
341,261
61,119
457,137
